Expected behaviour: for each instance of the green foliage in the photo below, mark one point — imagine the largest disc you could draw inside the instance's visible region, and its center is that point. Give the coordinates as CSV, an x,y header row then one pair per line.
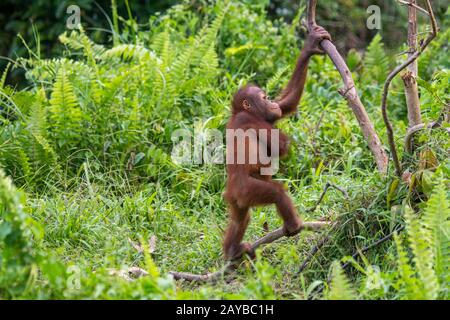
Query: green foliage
x,y
340,288
65,114
375,62
17,257
436,228
89,140
429,243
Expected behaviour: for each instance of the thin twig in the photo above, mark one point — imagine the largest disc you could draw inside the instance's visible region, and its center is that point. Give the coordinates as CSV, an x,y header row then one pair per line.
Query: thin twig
x,y
327,186
373,245
312,253
322,241
412,58
320,288
415,6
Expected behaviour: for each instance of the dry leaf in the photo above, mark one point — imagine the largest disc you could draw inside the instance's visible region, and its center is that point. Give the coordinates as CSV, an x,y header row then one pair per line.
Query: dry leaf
x,y
152,244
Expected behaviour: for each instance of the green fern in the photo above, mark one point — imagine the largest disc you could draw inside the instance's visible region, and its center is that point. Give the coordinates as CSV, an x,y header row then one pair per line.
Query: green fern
x,y
24,161
37,122
162,46
340,288
209,66
45,70
128,52
78,40
428,237
375,62
65,112
423,257
436,223
274,81
407,283
194,54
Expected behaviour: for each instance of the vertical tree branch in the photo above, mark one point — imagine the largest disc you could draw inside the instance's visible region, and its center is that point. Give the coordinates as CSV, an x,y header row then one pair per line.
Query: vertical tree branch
x,y
410,76
351,95
407,62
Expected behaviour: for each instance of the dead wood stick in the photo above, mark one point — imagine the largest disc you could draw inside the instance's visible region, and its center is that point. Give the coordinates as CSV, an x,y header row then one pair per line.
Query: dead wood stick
x,y
373,245
390,77
314,250
268,238
351,95
320,288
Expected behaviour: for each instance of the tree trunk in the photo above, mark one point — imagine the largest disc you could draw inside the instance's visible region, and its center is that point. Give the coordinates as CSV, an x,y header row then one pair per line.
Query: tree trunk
x,y
410,76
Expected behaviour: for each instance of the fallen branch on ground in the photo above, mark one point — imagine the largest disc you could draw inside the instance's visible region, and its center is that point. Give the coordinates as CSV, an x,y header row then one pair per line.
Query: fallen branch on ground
x,y
314,250
373,245
268,238
320,288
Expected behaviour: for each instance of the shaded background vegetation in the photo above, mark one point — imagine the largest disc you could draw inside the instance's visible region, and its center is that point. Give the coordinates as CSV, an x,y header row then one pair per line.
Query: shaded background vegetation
x,y
345,19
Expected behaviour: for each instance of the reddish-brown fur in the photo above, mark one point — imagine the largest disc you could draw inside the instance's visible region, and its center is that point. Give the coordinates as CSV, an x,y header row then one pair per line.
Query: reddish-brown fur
x,y
246,187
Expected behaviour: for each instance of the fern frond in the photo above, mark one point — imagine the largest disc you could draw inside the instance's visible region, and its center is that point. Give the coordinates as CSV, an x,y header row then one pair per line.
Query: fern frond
x,y
209,66
128,52
37,121
436,220
24,161
78,40
407,281
195,52
423,255
340,288
376,63
274,81
65,112
45,70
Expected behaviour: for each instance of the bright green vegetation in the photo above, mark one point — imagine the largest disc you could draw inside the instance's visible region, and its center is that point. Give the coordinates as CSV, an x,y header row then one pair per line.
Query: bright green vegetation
x,y
88,146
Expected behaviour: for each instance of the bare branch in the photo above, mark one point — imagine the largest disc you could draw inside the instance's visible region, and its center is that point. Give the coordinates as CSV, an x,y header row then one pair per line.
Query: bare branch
x,y
320,288
373,245
327,186
413,130
411,58
313,251
411,4
351,95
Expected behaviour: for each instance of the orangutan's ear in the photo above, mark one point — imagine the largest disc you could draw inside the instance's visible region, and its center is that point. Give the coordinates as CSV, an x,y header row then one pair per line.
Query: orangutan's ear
x,y
245,104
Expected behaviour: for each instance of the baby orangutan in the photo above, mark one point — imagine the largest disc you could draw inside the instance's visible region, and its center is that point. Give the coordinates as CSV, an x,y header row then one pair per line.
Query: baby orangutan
x,y
246,186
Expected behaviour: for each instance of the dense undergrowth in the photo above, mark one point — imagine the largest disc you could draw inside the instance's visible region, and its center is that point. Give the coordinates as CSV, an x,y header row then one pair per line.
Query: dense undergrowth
x,y
88,147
